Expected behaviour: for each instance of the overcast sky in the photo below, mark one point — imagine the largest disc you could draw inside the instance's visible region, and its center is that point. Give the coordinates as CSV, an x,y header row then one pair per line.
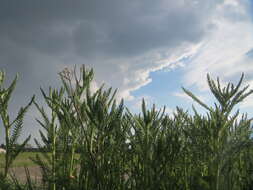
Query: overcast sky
x,y
144,48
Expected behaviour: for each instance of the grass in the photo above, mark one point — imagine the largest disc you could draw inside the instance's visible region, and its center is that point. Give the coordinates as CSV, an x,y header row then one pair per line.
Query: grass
x,y
22,160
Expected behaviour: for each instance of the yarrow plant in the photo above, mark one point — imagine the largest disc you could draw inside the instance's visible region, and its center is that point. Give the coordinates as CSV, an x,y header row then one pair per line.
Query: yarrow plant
x,y
91,141
12,128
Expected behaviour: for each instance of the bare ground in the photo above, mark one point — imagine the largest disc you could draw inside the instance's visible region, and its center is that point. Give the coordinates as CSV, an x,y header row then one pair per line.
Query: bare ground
x,y
20,174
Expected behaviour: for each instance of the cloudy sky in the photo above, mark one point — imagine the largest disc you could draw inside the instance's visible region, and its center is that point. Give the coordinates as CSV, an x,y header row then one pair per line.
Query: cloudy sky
x,y
144,48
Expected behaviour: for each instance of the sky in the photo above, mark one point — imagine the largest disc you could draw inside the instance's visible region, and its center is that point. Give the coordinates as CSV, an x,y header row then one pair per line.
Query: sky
x,y
146,49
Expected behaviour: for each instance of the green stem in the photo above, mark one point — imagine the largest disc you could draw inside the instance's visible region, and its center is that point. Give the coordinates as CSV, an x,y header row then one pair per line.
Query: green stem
x,y
7,155
7,141
54,160
217,177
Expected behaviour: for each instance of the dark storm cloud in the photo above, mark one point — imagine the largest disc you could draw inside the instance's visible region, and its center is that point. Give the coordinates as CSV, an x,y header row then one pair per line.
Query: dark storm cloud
x,y
34,32
40,37
100,27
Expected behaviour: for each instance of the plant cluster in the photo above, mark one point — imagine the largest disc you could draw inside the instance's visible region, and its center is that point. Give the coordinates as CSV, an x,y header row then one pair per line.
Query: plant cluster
x,y
12,128
91,141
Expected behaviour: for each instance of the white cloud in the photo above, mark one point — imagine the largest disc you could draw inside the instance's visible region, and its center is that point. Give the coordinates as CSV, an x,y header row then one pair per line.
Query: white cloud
x,y
133,73
136,103
169,111
184,96
248,102
223,50
133,77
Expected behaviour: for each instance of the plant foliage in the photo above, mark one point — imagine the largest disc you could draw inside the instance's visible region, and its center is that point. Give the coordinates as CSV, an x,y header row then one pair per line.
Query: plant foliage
x,y
13,128
90,140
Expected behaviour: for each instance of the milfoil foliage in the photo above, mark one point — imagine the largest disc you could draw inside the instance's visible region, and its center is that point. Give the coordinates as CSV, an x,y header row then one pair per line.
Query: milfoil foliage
x,y
219,136
12,128
91,140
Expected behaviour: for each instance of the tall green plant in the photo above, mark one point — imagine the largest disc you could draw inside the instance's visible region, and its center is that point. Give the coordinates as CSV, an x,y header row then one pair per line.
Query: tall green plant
x,y
91,142
88,124
217,138
102,135
12,128
49,159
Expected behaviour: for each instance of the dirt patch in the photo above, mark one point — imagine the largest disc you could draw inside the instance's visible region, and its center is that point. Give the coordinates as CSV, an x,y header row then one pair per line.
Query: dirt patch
x,y
20,174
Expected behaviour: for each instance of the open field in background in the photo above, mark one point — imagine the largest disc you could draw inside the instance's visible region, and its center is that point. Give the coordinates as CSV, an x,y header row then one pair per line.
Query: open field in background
x,y
22,160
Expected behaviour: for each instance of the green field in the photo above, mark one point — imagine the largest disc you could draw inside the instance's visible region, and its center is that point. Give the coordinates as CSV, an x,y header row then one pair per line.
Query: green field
x,y
22,160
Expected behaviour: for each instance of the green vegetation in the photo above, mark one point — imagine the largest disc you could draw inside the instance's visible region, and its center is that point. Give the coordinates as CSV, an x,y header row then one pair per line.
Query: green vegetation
x,y
12,128
123,151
